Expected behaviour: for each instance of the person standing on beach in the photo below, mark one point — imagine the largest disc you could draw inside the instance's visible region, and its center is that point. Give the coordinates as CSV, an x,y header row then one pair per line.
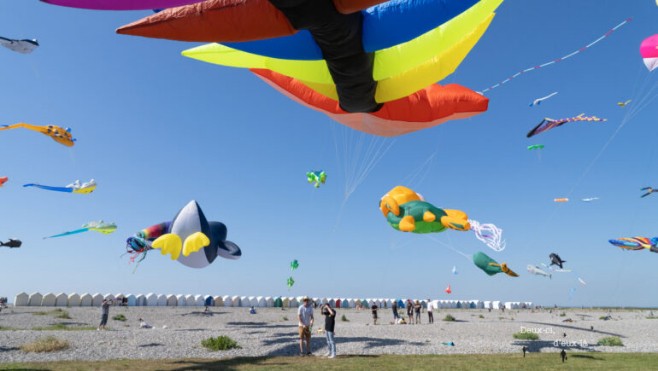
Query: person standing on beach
x,y
410,311
563,354
329,324
417,308
374,312
430,309
524,349
105,313
396,316
305,316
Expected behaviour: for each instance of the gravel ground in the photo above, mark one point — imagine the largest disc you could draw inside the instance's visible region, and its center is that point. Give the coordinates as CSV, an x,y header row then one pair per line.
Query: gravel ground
x,y
178,331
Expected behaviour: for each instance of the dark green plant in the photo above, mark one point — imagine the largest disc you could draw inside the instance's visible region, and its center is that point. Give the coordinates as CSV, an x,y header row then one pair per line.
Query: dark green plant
x,y
610,341
220,343
120,317
525,335
449,318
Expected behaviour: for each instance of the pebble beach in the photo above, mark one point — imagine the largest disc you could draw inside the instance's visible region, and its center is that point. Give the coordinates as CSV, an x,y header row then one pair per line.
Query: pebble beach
x,y
178,331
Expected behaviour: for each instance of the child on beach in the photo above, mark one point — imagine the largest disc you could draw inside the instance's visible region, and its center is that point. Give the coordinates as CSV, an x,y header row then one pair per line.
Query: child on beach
x,y
374,313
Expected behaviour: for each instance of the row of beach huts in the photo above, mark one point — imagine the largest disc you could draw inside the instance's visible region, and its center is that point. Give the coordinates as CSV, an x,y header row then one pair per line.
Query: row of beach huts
x,y
171,300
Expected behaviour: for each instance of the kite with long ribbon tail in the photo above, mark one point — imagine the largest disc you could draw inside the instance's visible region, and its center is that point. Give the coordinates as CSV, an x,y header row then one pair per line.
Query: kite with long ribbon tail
x,y
59,134
99,226
547,123
488,233
75,187
553,61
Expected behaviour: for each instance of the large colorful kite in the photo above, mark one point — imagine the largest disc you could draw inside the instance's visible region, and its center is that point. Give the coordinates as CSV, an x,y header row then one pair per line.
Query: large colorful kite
x,y
24,46
75,187
548,124
59,134
405,211
99,226
189,238
370,66
121,4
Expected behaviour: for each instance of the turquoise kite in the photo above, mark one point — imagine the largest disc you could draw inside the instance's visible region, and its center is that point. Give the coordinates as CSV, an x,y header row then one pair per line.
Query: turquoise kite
x,y
294,265
99,226
490,266
75,187
316,177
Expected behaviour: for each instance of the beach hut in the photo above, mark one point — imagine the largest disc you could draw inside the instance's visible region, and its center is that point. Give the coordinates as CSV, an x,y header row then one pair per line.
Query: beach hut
x,y
261,301
151,299
332,302
293,302
132,300
118,299
180,300
278,303
228,302
35,299
61,300
108,297
190,300
86,300
199,300
253,302
269,302
285,303
235,301
140,300
48,300
21,300
172,300
74,300
350,302
162,300
345,303
219,301
324,301
364,303
338,302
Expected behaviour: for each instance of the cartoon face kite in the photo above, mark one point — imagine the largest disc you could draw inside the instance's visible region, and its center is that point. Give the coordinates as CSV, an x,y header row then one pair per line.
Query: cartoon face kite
x,y
189,238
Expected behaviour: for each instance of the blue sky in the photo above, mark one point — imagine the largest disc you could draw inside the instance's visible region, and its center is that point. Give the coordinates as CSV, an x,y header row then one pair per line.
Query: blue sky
x,y
157,130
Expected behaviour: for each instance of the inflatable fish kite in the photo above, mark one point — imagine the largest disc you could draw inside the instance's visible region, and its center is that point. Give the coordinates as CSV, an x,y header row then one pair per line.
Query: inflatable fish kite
x,y
371,65
490,266
59,135
405,212
533,269
75,187
12,243
99,226
316,178
556,260
636,243
24,46
121,4
189,238
548,124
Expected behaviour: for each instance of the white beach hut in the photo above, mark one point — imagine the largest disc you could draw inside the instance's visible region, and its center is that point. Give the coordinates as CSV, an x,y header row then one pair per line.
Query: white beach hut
x,y
162,300
74,300
269,302
172,300
35,299
180,299
61,300
86,299
132,300
189,301
151,299
261,301
109,297
244,301
140,300
21,300
227,301
199,300
48,300
293,302
235,301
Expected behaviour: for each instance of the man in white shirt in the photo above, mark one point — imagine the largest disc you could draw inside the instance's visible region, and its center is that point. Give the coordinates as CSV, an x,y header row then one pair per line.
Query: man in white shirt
x,y
430,309
305,316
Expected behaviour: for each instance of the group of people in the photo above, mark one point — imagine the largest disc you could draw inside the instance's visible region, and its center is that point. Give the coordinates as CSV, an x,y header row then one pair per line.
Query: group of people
x,y
306,320
413,308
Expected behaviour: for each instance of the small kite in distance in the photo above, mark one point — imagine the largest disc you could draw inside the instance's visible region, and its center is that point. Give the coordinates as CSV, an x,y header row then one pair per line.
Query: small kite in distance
x,y
649,190
589,199
59,134
547,123
290,282
100,226
3,180
538,101
448,290
561,199
636,243
24,46
12,243
556,260
316,177
75,187
294,265
623,104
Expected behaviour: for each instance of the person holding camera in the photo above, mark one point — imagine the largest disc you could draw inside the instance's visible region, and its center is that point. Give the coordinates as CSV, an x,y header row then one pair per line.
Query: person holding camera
x,y
329,323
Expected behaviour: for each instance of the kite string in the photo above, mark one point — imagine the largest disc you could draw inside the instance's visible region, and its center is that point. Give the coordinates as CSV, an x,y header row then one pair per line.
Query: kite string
x,y
608,33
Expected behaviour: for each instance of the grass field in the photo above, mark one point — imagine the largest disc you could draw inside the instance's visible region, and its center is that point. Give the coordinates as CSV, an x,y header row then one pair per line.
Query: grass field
x,y
533,361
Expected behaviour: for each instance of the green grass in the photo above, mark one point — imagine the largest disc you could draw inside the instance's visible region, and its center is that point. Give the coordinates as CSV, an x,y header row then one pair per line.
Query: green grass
x,y
220,343
5,328
611,341
120,317
533,361
63,327
57,313
45,345
525,335
449,318
344,319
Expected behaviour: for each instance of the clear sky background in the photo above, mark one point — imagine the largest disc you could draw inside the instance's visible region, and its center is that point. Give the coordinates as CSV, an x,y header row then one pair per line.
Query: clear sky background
x,y
157,130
